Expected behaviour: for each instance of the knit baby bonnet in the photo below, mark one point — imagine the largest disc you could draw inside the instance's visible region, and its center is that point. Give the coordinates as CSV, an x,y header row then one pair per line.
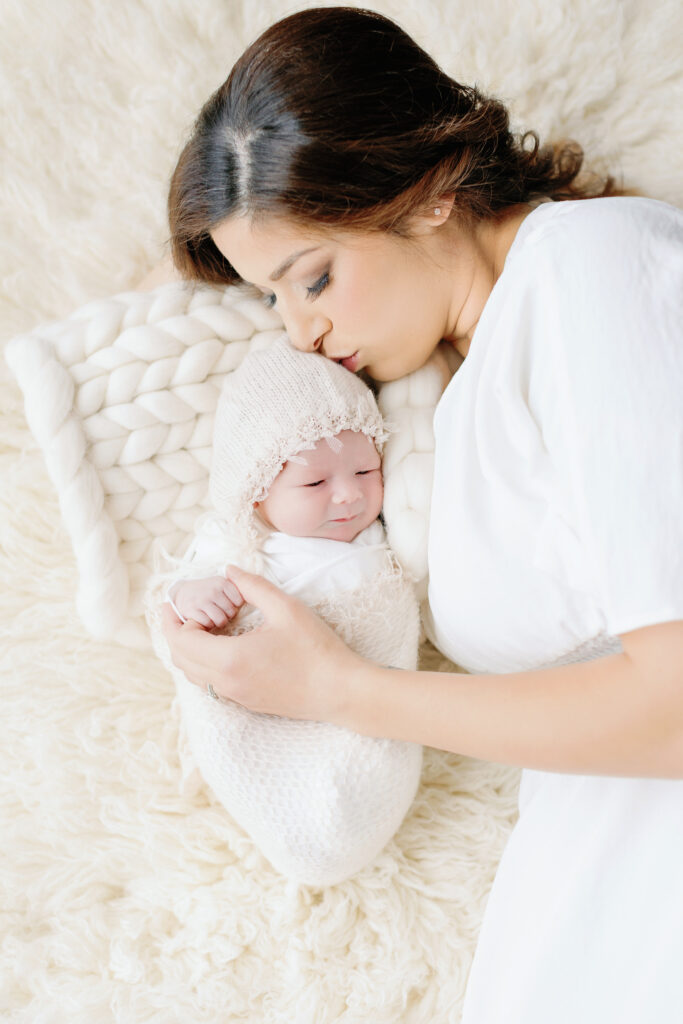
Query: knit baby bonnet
x,y
279,402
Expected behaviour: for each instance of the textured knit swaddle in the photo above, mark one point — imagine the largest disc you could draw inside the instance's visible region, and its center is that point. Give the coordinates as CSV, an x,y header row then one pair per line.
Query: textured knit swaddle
x,y
320,801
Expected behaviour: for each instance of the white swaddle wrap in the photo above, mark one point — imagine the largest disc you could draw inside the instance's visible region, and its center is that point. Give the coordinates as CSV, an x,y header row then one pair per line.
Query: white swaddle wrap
x,y
319,801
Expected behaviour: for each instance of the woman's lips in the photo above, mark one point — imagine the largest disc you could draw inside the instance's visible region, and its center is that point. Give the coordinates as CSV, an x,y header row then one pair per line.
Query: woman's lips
x,y
351,362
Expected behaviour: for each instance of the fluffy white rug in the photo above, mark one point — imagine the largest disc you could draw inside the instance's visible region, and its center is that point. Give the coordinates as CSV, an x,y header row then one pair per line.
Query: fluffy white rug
x,y
127,894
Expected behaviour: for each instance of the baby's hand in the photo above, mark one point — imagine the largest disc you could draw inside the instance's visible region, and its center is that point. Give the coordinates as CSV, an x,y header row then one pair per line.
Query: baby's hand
x,y
210,602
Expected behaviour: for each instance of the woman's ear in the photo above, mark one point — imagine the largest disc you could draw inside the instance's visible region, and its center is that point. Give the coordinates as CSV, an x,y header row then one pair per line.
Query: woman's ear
x,y
434,216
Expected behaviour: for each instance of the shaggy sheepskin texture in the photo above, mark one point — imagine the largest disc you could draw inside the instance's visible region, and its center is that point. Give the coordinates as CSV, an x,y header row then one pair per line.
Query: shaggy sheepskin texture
x,y
127,894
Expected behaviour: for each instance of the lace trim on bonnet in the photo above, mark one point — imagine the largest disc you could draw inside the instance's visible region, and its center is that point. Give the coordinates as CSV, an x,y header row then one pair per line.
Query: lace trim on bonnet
x,y
259,481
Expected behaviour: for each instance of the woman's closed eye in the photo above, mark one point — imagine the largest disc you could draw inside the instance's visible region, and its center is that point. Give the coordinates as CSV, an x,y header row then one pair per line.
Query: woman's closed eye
x,y
312,292
320,285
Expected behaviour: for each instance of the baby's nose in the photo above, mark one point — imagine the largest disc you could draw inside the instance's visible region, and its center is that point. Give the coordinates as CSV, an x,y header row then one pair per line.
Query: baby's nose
x,y
346,491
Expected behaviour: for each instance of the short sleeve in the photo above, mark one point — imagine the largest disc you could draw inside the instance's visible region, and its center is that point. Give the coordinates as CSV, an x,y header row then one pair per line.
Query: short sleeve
x,y
614,418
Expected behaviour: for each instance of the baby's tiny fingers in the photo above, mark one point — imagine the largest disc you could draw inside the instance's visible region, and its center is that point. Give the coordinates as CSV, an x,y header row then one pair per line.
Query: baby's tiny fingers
x,y
201,617
226,606
217,614
233,594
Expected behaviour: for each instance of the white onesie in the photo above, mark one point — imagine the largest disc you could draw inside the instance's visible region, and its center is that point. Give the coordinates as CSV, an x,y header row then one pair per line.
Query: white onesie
x,y
320,801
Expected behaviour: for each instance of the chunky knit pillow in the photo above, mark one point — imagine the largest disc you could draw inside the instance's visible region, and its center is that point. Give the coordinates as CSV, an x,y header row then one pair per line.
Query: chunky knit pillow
x,y
121,399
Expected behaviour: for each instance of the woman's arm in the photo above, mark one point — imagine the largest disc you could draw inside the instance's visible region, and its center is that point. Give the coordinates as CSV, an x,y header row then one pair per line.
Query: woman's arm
x,y
619,715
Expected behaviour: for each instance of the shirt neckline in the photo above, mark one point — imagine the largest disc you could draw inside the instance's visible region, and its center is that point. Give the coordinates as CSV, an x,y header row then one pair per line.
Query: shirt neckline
x,y
521,235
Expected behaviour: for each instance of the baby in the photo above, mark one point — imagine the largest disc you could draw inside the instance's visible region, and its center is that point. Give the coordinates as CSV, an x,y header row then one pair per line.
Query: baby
x,y
296,484
332,492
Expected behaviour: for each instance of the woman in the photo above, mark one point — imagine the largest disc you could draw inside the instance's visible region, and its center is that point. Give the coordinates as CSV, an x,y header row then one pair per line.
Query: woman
x,y
384,207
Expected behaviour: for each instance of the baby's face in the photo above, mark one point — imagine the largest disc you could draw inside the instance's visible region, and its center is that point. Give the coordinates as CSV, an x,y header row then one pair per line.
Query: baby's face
x,y
333,493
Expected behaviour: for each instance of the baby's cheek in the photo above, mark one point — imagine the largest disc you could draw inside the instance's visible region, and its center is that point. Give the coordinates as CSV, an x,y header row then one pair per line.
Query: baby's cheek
x,y
378,494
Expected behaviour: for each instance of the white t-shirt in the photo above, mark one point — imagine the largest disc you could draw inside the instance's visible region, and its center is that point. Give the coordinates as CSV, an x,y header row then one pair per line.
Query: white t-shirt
x,y
557,507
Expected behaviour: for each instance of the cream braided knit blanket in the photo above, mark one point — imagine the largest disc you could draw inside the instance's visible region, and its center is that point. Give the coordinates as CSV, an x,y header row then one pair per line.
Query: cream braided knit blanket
x,y
121,397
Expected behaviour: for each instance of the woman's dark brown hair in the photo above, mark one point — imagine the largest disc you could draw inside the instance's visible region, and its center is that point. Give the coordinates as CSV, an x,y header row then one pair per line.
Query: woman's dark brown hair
x,y
336,116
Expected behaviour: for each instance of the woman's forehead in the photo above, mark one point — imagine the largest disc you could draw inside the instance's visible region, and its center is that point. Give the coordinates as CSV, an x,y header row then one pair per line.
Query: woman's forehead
x,y
267,233
262,243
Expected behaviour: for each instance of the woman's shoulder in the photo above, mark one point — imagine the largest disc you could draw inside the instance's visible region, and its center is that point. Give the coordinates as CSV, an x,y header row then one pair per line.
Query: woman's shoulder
x,y
588,282
624,227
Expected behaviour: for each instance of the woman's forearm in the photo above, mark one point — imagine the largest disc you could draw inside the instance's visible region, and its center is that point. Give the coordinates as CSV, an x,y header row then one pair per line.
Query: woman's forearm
x,y
619,715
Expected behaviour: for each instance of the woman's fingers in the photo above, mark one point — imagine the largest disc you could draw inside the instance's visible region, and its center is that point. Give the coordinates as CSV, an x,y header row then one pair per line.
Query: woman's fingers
x,y
184,642
175,633
256,590
169,620
293,664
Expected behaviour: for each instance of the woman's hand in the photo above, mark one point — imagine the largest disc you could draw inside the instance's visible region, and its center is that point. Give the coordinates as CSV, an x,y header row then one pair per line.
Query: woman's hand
x,y
292,665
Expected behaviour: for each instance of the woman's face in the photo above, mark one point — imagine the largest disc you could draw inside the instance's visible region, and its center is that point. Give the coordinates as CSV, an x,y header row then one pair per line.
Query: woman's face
x,y
369,300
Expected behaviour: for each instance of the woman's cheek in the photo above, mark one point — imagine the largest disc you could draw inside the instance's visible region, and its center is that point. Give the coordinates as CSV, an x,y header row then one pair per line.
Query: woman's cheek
x,y
352,309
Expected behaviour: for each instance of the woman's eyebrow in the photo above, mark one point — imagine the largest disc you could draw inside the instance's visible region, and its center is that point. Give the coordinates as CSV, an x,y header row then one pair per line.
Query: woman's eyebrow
x,y
284,267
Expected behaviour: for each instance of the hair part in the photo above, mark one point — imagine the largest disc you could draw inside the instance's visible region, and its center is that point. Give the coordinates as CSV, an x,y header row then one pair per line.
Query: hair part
x,y
335,116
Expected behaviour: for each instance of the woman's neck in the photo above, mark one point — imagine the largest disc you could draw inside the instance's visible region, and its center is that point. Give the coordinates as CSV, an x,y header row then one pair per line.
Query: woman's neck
x,y
488,244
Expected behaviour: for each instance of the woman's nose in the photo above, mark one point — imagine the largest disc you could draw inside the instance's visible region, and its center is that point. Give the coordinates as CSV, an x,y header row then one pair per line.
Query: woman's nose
x,y
305,341
305,333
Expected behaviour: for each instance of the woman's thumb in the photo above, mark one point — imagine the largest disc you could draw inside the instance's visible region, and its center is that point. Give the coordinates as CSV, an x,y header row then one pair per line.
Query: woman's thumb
x,y
256,590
